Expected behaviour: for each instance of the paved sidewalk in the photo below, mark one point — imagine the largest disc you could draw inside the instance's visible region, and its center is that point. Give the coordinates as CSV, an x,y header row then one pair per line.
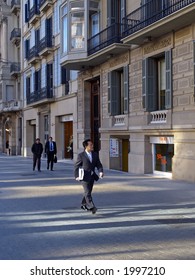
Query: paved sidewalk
x,y
139,217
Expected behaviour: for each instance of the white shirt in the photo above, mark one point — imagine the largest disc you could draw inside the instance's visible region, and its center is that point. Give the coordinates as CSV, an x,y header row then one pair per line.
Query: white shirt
x,y
89,156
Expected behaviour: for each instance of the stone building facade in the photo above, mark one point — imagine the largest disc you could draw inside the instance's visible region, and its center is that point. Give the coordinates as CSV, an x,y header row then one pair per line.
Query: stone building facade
x,y
50,91
11,100
136,82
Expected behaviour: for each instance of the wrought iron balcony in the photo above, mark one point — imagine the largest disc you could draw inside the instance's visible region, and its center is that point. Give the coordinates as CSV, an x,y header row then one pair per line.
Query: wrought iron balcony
x,y
15,68
15,6
44,95
45,46
34,14
105,38
45,5
33,55
153,11
15,36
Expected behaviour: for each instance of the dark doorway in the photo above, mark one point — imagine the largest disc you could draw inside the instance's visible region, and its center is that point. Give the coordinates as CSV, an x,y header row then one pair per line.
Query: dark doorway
x,y
95,114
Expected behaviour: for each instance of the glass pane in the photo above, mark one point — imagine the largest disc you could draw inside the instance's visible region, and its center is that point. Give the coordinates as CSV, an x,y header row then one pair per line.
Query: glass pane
x,y
64,30
73,75
95,24
163,157
161,84
77,30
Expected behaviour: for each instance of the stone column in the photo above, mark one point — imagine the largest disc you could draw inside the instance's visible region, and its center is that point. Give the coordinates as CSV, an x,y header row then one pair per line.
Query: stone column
x,y
4,47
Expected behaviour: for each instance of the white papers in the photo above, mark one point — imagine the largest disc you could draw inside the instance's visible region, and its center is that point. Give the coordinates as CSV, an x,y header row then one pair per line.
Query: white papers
x,y
81,174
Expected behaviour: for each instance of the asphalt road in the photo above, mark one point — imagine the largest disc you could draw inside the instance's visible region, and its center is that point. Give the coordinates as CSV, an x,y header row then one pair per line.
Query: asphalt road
x,y
139,217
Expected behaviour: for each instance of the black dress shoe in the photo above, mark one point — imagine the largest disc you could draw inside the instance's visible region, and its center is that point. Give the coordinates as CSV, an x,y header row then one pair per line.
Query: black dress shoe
x,y
94,210
83,207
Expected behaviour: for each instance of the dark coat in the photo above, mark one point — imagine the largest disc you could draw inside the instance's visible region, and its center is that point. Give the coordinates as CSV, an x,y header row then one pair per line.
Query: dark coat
x,y
37,149
89,167
47,147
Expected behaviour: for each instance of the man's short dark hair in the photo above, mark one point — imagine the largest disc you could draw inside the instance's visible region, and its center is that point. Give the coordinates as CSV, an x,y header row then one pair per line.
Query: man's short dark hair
x,y
85,143
38,139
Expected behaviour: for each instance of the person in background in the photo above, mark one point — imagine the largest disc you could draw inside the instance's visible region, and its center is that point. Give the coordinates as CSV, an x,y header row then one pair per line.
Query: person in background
x,y
70,147
50,150
37,150
8,148
88,160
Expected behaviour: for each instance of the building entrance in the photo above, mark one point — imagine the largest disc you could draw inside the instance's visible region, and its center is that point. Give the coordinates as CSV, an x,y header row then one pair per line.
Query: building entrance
x,y
95,114
68,139
163,154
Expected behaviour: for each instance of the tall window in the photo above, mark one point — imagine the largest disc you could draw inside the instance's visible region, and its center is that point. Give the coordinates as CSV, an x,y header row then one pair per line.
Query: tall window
x,y
65,29
46,128
161,84
77,30
118,91
157,82
116,11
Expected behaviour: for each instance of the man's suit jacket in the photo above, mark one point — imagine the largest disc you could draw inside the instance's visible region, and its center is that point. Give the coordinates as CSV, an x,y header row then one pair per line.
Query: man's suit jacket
x,y
89,167
47,147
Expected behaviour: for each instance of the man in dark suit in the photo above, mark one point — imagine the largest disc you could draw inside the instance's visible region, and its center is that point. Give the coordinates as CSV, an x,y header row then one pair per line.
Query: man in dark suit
x,y
88,160
50,150
37,149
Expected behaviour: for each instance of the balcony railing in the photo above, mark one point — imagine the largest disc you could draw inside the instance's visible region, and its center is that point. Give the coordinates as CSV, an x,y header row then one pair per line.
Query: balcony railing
x,y
33,53
151,12
45,4
15,34
34,11
104,38
15,68
45,43
36,96
159,117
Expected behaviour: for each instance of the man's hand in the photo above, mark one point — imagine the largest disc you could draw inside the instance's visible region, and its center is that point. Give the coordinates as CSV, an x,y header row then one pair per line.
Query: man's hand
x,y
77,179
101,175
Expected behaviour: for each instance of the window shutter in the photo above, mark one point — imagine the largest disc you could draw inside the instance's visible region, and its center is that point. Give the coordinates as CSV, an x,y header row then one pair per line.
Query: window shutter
x,y
113,93
48,31
109,93
39,80
28,89
126,89
63,75
123,9
26,12
111,12
26,48
168,91
144,83
149,88
32,80
151,83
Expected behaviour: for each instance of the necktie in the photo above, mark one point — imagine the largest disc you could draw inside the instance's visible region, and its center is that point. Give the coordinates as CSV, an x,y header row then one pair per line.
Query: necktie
x,y
90,157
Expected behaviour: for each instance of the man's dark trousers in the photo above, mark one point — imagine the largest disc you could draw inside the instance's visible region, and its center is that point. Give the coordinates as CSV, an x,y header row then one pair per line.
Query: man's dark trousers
x,y
36,160
87,199
50,158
